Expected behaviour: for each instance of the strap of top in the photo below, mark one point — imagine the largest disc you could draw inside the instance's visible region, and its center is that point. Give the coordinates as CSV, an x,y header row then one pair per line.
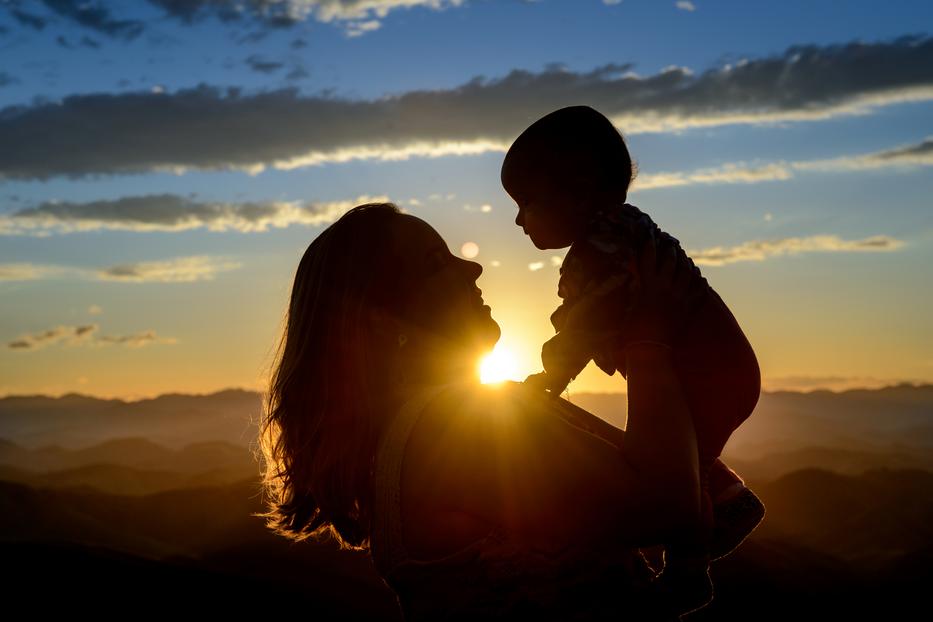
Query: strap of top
x,y
387,548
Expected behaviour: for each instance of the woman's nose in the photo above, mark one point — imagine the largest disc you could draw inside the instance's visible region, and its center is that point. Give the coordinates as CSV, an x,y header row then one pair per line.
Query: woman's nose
x,y
474,268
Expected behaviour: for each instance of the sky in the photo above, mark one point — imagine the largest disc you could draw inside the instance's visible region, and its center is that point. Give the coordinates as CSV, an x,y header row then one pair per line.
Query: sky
x,y
165,164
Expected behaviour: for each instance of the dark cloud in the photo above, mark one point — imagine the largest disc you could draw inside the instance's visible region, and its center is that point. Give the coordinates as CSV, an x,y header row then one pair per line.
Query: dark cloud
x,y
257,63
27,19
287,13
86,13
297,73
210,128
921,150
95,16
6,79
274,13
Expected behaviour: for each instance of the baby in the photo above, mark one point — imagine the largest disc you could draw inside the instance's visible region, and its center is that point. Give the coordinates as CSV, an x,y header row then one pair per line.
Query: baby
x,y
569,173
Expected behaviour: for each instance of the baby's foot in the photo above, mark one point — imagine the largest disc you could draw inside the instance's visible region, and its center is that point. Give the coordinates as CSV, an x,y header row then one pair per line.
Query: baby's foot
x,y
736,513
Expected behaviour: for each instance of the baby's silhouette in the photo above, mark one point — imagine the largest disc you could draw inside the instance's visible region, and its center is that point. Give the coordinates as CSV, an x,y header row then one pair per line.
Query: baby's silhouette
x,y
569,173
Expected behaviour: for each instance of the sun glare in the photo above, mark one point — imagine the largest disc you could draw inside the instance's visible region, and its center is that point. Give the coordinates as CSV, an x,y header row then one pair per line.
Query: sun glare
x,y
497,366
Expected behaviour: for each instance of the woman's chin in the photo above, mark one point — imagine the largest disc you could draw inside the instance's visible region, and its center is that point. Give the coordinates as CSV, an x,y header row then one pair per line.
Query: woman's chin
x,y
488,332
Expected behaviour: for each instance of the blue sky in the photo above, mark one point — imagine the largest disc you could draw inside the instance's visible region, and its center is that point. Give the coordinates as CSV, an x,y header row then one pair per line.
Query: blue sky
x,y
807,168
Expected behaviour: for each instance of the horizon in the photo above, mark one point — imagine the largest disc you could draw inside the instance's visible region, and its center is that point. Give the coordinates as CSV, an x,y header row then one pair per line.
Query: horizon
x,y
898,385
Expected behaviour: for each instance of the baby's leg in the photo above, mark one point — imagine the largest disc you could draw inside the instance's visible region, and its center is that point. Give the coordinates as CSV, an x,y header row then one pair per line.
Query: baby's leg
x,y
720,376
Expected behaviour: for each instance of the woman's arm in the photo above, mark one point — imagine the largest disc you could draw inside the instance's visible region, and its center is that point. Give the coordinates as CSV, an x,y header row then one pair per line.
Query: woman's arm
x,y
506,456
660,439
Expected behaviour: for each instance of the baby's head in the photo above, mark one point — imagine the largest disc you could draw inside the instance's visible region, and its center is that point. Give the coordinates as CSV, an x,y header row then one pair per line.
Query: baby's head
x,y
560,169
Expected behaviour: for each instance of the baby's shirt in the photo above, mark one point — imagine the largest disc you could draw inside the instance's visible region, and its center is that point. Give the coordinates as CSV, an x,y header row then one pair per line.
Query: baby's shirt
x,y
608,248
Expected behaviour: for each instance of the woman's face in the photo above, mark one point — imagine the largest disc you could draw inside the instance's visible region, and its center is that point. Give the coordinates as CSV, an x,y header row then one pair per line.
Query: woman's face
x,y
442,294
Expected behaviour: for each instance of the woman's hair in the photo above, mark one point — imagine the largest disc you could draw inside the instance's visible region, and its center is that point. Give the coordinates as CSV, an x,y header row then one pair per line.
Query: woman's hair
x,y
327,389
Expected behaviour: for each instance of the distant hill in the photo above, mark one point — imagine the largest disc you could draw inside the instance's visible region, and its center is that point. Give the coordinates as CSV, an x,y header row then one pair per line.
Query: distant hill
x,y
856,418
831,546
132,466
214,436
890,427
173,420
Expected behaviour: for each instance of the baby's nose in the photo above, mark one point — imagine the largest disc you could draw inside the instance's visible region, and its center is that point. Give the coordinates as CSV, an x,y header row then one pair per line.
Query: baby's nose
x,y
519,219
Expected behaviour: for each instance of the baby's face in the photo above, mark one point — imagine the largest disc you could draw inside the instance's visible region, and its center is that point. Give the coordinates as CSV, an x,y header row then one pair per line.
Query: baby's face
x,y
548,212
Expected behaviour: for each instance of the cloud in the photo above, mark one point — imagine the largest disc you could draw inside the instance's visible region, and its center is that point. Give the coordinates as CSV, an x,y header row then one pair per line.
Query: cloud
x,y
6,79
25,19
169,212
906,156
360,28
95,310
180,270
208,128
733,173
84,335
27,271
902,157
86,13
355,14
258,64
759,250
685,5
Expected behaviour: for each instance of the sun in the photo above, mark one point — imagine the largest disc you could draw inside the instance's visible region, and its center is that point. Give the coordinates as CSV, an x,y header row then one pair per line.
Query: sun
x,y
497,366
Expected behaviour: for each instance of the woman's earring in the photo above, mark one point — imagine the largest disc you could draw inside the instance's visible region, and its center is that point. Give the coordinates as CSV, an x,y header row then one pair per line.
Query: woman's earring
x,y
402,339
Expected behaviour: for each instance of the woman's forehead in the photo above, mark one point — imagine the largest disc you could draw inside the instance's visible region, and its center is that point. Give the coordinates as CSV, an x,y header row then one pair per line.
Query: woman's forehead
x,y
414,236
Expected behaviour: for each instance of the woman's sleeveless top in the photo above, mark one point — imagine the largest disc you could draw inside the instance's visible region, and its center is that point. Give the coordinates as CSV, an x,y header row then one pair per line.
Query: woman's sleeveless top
x,y
492,578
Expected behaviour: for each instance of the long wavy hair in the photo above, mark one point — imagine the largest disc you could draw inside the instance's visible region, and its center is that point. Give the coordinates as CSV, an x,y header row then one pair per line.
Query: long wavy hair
x,y
328,386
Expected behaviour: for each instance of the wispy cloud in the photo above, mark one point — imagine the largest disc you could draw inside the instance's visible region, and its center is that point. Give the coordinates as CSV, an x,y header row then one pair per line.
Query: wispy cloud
x,y
759,250
209,128
357,16
169,212
904,157
28,271
735,173
685,5
178,270
84,336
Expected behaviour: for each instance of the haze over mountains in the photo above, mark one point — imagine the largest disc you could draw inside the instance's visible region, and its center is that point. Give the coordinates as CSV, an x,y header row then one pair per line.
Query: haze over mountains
x,y
154,501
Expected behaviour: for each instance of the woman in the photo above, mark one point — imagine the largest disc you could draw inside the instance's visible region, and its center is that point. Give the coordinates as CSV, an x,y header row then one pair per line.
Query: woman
x,y
510,501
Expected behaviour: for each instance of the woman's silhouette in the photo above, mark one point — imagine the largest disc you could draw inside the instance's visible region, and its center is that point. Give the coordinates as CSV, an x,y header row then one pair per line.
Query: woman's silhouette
x,y
475,501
